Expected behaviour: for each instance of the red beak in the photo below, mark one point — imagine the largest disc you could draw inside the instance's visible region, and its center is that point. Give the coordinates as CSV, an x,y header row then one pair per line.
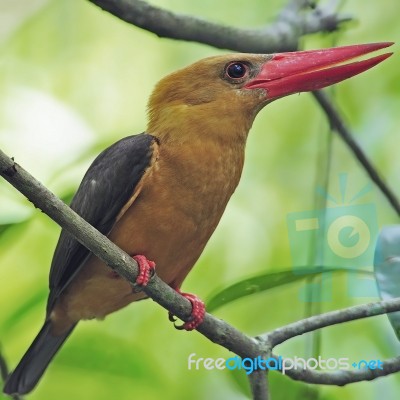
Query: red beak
x,y
304,71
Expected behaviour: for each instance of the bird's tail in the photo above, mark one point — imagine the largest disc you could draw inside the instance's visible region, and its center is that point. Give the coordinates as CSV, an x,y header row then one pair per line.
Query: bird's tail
x,y
35,361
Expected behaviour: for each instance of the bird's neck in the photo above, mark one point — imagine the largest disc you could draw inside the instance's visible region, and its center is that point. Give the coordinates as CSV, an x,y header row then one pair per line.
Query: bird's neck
x,y
205,154
206,123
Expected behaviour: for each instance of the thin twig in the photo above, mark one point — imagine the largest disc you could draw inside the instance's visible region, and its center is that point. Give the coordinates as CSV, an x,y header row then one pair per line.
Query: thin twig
x,y
341,377
338,124
345,377
310,324
283,34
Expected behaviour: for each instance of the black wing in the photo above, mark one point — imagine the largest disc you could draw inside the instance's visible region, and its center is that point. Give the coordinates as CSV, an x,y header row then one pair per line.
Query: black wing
x,y
106,187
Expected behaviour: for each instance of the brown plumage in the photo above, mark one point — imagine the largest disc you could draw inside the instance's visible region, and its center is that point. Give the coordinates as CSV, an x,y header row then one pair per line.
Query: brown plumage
x,y
162,194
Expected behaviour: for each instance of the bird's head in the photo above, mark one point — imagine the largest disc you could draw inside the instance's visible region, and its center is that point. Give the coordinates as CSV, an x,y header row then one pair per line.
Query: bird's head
x,y
228,91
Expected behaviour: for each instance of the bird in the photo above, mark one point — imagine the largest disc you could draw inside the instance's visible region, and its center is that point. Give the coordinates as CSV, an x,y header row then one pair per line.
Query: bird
x,y
160,195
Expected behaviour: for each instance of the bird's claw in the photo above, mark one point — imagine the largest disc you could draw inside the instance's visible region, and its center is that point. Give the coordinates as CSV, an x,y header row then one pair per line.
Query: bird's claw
x,y
172,317
146,270
197,314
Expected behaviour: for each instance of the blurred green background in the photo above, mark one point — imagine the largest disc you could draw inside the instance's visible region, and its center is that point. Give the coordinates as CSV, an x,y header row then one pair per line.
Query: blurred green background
x,y
73,80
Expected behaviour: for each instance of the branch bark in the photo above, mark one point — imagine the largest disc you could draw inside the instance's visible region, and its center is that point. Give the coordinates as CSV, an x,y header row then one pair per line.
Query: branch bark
x,y
298,18
310,324
343,131
344,377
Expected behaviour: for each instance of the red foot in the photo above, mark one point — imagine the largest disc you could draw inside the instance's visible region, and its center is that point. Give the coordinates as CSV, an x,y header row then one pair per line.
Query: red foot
x,y
146,270
197,315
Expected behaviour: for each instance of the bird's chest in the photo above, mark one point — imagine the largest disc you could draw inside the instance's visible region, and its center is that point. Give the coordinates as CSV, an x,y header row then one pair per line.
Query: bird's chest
x,y
198,183
178,208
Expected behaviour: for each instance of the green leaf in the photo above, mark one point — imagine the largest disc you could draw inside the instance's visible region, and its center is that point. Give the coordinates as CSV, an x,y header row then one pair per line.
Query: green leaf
x,y
268,281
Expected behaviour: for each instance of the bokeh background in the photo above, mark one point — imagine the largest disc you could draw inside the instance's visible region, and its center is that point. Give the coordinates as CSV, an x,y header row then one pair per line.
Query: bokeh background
x,y
73,80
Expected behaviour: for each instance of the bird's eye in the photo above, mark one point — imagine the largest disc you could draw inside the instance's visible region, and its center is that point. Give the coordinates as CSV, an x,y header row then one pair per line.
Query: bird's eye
x,y
236,70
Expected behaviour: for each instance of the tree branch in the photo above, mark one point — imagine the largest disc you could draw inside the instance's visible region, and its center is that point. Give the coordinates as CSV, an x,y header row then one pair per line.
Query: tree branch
x,y
341,377
292,23
340,127
310,324
213,328
344,377
259,384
